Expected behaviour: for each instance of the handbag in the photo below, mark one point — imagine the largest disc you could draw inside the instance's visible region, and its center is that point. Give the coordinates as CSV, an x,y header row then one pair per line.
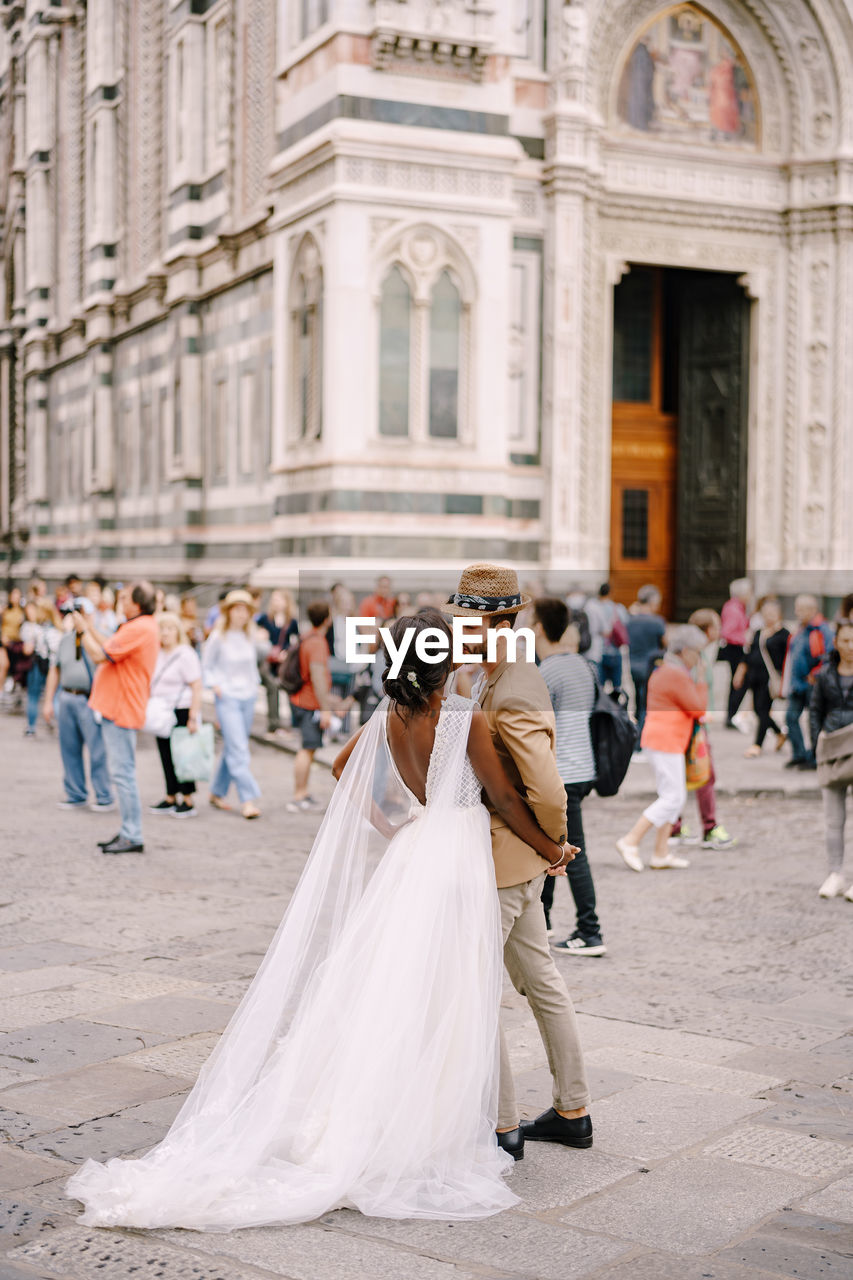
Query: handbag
x,y
835,757
159,715
192,753
773,675
697,758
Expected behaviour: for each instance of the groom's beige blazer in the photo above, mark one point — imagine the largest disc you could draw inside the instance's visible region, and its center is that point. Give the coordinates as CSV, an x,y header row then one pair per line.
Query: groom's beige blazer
x,y
518,709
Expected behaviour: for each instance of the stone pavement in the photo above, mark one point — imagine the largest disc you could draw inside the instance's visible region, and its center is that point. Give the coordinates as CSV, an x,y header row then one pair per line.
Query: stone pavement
x,y
718,1032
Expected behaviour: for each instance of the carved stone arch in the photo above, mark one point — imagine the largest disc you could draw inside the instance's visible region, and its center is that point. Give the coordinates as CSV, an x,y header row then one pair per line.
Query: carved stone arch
x,y
765,44
423,251
307,267
821,32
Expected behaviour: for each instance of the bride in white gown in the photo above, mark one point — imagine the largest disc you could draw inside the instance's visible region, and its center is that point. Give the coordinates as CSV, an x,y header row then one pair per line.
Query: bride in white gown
x,y
361,1066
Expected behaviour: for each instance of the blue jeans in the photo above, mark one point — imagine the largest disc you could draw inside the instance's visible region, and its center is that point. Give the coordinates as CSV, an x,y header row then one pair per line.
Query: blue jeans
x,y
35,685
235,720
797,703
121,757
78,728
610,668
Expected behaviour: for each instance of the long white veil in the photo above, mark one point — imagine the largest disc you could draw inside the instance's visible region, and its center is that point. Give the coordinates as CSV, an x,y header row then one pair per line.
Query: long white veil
x,y
278,1122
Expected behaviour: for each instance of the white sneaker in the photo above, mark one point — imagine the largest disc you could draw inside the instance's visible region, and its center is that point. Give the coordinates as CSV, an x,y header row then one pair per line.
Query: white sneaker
x,y
630,855
833,887
669,863
109,807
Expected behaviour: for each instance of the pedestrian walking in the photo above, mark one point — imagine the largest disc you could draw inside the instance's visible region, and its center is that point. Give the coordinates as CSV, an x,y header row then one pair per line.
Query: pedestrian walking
x,y
39,639
761,672
831,722
11,646
675,702
177,683
230,669
734,634
125,663
646,631
571,688
66,697
281,626
311,705
608,635
807,650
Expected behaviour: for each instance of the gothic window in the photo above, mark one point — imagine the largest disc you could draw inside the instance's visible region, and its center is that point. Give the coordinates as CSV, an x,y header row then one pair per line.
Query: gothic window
x,y
312,14
306,326
445,317
525,345
395,326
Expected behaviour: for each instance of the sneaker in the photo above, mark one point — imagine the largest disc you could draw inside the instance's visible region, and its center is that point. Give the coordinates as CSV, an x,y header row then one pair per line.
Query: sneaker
x,y
794,763
684,836
718,838
306,805
182,810
165,806
29,733
630,855
71,804
549,928
833,887
578,946
849,894
669,863
109,806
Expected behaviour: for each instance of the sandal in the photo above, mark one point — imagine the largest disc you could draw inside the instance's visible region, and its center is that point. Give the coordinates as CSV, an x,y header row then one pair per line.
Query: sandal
x,y
250,810
219,803
752,752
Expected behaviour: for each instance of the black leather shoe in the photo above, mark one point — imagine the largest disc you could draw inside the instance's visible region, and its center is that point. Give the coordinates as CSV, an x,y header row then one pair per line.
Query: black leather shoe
x,y
120,845
552,1127
513,1142
102,844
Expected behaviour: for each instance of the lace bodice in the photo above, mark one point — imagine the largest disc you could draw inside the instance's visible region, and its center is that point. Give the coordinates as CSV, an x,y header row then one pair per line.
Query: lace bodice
x,y
449,751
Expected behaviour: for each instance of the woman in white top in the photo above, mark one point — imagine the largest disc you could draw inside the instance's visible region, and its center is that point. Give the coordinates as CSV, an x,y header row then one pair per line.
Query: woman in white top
x,y
230,667
177,680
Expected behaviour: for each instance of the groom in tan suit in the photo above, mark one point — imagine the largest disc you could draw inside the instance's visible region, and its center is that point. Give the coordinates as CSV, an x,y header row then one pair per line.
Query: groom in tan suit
x,y
517,706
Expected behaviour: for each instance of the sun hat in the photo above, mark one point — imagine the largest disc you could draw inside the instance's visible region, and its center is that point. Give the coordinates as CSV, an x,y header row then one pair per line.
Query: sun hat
x,y
486,589
237,597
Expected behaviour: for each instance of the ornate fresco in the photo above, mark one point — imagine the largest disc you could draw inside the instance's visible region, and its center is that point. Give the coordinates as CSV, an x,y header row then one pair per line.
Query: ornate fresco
x,y
686,80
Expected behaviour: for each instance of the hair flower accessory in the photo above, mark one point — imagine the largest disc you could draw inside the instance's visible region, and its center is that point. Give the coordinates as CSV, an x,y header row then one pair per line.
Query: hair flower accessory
x,y
412,679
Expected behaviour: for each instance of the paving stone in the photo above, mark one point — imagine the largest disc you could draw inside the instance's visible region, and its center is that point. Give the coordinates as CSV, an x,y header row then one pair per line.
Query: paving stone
x,y
23,1169
89,1254
98,1139
18,1012
790,1259
43,953
659,1266
777,1149
654,1066
687,1206
789,1064
8,1077
20,1221
510,1242
819,1010
70,1043
169,1016
534,1089
98,1090
42,979
181,1058
835,1201
312,1253
550,1177
841,1047
602,1033
826,1113
136,986
654,1120
811,1230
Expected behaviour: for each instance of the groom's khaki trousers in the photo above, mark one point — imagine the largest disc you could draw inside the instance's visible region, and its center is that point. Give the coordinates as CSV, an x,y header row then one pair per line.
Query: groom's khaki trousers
x,y
534,975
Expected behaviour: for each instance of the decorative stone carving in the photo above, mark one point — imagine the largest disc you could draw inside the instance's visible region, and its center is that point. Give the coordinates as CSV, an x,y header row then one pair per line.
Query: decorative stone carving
x,y
818,281
448,34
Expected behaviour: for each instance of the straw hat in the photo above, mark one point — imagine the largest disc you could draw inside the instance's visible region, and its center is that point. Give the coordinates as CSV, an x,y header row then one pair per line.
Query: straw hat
x,y
236,597
485,589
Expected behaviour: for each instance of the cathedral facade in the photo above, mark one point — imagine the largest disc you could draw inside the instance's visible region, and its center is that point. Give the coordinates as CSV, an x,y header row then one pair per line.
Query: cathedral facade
x,y
402,284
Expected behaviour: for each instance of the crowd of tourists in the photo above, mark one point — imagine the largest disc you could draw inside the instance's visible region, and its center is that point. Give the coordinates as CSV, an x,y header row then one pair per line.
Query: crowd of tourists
x,y
99,663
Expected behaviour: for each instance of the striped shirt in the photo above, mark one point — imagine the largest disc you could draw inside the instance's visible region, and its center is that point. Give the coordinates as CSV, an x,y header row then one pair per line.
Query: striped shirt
x,y
571,685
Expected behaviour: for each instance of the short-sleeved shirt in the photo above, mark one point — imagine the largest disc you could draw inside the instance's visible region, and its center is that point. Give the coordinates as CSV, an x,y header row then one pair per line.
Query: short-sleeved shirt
x,y
174,675
122,683
313,648
75,670
571,686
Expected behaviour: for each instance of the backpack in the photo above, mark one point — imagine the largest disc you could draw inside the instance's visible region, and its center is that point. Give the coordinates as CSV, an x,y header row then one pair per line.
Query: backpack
x,y
290,671
614,736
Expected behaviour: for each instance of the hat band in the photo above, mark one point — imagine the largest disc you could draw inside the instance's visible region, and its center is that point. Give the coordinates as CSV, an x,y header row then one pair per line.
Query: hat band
x,y
485,604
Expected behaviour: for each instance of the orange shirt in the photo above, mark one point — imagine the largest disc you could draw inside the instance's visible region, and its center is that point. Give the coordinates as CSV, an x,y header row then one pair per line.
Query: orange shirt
x,y
314,648
376,606
673,703
122,683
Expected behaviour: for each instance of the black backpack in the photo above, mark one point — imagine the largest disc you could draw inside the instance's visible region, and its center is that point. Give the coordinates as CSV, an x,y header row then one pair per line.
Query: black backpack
x,y
290,672
614,736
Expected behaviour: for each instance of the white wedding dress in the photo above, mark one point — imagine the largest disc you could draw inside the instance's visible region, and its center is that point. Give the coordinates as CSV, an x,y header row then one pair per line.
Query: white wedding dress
x,y
361,1067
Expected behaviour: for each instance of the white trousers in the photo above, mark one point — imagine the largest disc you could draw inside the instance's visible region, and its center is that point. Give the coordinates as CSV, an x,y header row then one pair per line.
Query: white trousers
x,y
671,783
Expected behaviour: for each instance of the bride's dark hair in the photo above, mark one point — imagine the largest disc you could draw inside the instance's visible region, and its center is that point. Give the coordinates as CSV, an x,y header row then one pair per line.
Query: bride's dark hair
x,y
417,680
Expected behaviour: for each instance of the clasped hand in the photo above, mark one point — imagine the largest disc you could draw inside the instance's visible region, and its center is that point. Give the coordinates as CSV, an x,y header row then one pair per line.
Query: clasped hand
x,y
570,851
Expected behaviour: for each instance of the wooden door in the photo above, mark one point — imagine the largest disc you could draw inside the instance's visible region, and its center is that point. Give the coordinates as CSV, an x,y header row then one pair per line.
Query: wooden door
x,y
712,438
644,443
